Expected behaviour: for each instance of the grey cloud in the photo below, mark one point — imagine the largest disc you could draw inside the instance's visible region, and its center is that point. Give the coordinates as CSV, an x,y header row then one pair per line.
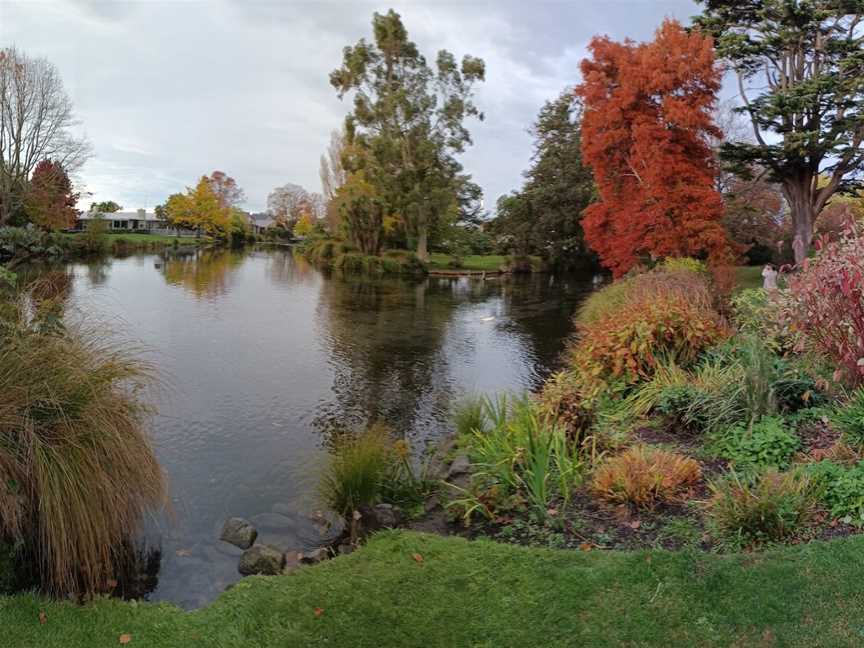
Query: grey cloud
x,y
168,91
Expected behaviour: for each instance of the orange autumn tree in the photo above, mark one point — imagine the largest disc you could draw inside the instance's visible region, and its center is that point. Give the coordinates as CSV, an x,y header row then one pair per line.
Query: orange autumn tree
x,y
645,129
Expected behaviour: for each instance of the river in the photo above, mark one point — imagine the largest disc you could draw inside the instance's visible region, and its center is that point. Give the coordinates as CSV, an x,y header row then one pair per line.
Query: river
x,y
264,359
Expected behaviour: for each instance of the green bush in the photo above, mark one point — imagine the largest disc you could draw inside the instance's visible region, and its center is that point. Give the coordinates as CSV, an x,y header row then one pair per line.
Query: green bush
x,y
841,488
764,507
518,450
849,419
768,443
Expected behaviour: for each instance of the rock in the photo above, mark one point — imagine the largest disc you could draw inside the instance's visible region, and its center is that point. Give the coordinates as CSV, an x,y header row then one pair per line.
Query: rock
x,y
282,509
315,556
274,522
292,562
239,532
461,466
261,559
345,548
380,516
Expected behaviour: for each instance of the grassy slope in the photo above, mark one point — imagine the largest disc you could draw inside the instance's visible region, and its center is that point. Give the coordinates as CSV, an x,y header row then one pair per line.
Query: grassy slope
x,y
142,238
486,594
487,262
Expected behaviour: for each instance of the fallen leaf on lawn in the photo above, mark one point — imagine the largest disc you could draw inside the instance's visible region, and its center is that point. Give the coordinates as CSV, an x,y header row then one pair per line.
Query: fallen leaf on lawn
x,y
125,639
635,524
43,618
585,546
319,612
552,512
183,552
417,558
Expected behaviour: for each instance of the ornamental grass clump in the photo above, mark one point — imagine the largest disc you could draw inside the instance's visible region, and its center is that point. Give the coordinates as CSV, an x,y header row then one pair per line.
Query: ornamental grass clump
x,y
645,476
765,507
77,469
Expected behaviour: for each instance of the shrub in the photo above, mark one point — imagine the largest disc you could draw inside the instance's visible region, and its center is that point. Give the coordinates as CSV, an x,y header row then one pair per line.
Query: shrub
x,y
841,488
765,507
630,345
469,416
369,468
755,311
827,304
638,288
767,443
685,264
565,400
517,449
850,419
645,476
355,471
77,471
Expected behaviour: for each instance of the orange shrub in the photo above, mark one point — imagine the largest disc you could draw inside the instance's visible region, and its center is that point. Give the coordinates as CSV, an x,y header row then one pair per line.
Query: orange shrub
x,y
644,476
627,343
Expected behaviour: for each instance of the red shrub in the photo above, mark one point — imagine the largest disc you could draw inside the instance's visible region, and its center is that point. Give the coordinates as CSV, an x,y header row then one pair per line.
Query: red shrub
x,y
826,304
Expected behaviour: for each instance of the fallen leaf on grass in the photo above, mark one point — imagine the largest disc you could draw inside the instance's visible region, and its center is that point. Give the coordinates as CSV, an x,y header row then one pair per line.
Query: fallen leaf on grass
x,y
635,524
585,546
319,612
43,618
418,558
125,639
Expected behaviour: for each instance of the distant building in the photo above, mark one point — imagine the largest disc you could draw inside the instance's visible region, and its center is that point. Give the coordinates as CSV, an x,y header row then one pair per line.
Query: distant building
x,y
139,220
260,222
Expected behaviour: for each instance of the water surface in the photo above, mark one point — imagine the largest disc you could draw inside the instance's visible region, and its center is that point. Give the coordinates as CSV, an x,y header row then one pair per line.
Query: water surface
x,y
265,360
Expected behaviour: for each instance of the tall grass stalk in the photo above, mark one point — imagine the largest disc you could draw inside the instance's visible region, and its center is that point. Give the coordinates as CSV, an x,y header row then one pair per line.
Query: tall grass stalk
x,y
77,469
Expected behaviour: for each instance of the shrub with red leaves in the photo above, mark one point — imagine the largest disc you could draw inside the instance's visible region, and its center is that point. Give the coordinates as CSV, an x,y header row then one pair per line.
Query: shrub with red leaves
x,y
826,304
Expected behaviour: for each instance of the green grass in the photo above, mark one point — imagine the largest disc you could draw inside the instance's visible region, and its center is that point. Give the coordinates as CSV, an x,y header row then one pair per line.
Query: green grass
x,y
142,238
486,594
748,277
486,262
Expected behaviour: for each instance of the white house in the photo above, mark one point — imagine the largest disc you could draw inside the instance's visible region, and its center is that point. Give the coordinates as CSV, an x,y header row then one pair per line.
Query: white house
x,y
139,220
260,222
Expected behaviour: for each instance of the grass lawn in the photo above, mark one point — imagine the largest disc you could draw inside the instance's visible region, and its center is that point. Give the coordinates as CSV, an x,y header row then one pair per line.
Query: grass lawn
x,y
487,594
487,262
144,238
748,277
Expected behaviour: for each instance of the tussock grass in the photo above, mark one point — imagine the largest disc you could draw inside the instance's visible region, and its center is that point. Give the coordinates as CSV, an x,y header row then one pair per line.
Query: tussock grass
x,y
77,470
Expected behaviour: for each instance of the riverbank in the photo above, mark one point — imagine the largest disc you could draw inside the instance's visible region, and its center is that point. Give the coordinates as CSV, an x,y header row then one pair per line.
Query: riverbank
x,y
128,242
409,589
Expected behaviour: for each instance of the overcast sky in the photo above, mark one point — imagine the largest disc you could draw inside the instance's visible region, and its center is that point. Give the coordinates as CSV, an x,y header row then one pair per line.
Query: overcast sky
x,y
168,91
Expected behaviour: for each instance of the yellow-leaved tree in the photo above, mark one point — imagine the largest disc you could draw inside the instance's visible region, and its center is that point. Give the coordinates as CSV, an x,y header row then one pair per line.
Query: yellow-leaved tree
x,y
304,225
199,208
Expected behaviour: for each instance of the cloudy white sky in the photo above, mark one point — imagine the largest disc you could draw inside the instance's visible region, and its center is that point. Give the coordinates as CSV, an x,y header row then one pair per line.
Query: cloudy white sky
x,y
168,91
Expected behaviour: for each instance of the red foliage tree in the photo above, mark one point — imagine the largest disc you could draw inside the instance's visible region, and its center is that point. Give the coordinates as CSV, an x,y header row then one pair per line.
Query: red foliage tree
x,y
49,201
226,189
645,130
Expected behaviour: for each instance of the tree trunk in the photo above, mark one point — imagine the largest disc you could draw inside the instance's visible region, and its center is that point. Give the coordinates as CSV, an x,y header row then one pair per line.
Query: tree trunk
x,y
422,242
803,218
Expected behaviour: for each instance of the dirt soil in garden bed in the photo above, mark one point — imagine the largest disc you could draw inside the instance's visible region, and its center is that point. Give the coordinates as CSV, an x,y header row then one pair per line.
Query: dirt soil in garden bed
x,y
588,523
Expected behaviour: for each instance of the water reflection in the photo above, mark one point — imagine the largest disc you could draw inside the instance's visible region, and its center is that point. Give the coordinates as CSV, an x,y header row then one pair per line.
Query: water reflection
x,y
204,273
266,359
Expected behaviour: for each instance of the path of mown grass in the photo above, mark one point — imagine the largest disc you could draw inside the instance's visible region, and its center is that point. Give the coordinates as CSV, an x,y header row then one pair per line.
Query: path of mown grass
x,y
487,594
